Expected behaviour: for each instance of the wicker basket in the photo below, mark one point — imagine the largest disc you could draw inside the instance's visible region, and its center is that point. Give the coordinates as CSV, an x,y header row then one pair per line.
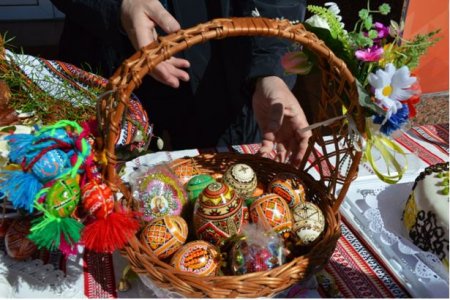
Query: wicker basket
x,y
338,90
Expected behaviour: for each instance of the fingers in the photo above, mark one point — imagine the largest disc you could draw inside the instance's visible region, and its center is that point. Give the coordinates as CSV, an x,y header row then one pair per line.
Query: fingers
x,y
162,17
168,73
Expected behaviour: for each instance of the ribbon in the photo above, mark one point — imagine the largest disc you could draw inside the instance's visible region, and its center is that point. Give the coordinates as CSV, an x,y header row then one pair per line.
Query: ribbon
x,y
388,150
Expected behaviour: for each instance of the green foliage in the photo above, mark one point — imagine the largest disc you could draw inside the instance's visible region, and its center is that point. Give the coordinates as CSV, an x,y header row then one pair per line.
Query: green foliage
x,y
336,28
410,51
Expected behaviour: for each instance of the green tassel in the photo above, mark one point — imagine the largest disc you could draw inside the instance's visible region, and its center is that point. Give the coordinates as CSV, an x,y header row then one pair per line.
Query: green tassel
x,y
46,232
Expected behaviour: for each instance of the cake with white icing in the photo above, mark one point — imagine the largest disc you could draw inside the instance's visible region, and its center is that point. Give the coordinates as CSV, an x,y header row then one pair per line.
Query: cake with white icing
x,y
426,212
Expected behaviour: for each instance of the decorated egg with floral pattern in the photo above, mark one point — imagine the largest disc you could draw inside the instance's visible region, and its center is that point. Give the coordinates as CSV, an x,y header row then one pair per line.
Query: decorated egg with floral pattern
x,y
272,212
289,186
218,213
160,194
241,178
165,235
309,223
198,257
197,184
63,197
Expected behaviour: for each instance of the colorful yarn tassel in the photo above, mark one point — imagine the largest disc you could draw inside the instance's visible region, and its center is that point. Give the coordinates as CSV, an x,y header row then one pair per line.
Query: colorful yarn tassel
x,y
20,188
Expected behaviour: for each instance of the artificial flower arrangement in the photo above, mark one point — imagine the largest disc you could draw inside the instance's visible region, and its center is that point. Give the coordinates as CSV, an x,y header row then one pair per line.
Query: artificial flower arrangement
x,y
383,64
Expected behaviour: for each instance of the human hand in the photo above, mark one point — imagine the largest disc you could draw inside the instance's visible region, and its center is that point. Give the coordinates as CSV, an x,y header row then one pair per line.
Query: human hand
x,y
139,19
280,118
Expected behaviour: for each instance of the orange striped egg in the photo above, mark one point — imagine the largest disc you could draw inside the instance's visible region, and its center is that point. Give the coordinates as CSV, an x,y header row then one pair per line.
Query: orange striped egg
x,y
165,235
198,257
272,212
98,199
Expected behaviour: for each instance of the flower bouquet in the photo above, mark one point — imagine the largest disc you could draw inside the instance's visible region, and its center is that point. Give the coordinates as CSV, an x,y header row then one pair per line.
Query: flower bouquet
x,y
383,64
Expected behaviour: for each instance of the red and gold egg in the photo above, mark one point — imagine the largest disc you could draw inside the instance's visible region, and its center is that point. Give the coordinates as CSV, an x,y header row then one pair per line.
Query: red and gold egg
x,y
198,257
272,213
165,235
289,186
218,213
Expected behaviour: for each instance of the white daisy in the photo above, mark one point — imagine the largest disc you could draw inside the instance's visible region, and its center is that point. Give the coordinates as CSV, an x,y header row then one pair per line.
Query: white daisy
x,y
391,86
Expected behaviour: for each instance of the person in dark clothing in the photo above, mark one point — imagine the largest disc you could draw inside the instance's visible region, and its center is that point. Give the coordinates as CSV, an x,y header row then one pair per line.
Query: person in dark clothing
x,y
223,92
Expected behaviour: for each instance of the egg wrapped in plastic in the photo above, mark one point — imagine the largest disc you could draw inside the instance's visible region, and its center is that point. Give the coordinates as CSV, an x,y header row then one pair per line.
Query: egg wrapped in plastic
x,y
272,212
218,213
165,235
63,197
197,184
309,223
159,193
254,253
241,178
198,257
289,186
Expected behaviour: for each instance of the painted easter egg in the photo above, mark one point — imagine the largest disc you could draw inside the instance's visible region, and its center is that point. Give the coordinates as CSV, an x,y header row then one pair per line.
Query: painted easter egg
x,y
241,178
248,256
289,186
51,165
272,212
17,245
197,184
160,194
218,213
63,197
198,257
309,222
165,235
98,199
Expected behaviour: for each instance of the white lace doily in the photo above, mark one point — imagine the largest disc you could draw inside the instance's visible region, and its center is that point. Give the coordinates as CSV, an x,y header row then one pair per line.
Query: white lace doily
x,y
34,279
375,209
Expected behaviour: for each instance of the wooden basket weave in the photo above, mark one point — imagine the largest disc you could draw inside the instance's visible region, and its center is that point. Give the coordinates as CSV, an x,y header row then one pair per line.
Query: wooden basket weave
x,y
331,151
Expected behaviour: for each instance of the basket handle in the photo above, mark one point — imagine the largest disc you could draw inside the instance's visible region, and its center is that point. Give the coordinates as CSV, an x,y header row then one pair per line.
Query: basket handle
x,y
129,75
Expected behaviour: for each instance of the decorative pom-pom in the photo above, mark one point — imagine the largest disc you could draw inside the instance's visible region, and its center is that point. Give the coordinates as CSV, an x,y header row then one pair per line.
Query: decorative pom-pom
x,y
107,235
20,188
19,144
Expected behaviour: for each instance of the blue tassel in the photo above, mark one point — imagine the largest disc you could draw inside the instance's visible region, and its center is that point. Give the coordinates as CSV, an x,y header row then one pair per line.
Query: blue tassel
x,y
19,144
20,188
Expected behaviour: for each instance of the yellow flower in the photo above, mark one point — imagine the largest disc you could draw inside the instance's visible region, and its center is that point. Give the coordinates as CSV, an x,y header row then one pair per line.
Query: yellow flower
x,y
389,55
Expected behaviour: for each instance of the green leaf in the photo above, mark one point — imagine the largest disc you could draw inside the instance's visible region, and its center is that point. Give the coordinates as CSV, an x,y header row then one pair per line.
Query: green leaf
x,y
366,101
363,14
384,9
368,23
373,34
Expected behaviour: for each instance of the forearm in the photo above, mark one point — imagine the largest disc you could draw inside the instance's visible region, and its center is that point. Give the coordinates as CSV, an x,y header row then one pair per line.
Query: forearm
x,y
101,18
267,52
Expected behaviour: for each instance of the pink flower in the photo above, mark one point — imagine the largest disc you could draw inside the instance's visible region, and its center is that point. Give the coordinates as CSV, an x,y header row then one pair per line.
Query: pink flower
x,y
296,63
370,54
382,30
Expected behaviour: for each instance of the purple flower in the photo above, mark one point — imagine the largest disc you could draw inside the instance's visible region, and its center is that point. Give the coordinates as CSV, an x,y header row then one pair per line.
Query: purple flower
x,y
371,54
383,31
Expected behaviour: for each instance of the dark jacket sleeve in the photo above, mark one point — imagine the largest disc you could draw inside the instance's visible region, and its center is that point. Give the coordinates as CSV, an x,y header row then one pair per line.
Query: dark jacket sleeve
x,y
267,52
99,18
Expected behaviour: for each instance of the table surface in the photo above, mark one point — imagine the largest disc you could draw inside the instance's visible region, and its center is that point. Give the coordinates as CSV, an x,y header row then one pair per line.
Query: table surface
x,y
370,260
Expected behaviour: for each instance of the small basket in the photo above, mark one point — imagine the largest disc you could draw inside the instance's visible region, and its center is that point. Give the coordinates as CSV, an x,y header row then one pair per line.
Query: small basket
x,y
332,153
